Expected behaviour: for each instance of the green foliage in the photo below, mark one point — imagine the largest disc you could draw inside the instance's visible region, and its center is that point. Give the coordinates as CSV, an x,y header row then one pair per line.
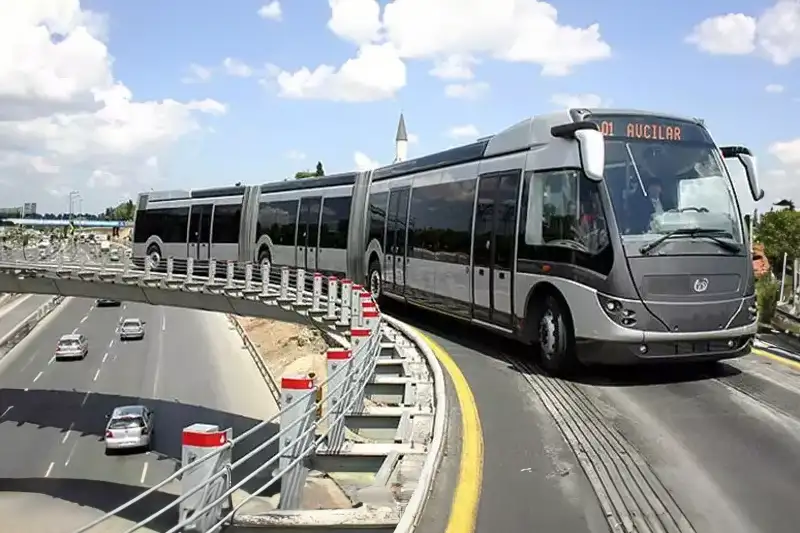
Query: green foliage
x,y
123,211
317,173
779,232
767,292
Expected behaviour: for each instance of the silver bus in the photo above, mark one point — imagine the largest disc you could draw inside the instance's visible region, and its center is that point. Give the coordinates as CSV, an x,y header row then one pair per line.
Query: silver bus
x,y
600,236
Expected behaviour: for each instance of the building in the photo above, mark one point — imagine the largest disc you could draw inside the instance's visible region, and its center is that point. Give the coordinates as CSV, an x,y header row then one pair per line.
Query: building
x,y
27,209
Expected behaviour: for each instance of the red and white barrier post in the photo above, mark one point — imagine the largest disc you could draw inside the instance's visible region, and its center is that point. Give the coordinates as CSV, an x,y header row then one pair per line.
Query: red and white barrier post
x,y
298,397
340,391
333,289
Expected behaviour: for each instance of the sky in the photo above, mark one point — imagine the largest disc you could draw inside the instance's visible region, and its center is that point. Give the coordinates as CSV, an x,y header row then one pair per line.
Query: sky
x,y
110,97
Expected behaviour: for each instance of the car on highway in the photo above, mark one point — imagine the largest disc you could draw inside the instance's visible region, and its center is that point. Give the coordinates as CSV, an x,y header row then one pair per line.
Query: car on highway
x,y
113,255
129,427
131,329
107,302
72,346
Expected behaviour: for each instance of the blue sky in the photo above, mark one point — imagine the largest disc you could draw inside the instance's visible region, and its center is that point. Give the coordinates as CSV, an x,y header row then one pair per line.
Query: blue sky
x,y
646,63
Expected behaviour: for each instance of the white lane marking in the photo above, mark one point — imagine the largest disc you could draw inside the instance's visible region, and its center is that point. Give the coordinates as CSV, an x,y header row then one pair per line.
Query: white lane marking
x,y
124,306
71,452
110,344
91,308
26,389
49,469
163,323
96,374
74,331
144,474
37,377
105,356
84,319
10,407
66,435
50,362
27,364
85,397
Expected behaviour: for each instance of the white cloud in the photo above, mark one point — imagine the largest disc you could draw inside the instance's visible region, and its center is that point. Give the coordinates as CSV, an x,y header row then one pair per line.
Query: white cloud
x,y
464,132
271,11
782,182
466,91
454,67
295,155
774,88
65,122
234,67
775,34
375,74
197,74
364,162
587,100
452,33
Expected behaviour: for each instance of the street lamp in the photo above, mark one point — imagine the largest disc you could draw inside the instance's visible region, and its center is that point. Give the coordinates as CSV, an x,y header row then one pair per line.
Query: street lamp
x,y
73,195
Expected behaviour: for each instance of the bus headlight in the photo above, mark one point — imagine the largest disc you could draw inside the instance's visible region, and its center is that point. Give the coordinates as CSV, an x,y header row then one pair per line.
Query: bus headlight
x,y
616,311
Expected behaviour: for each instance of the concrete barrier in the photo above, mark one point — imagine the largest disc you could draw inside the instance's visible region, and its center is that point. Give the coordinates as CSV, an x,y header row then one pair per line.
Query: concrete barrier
x,y
24,328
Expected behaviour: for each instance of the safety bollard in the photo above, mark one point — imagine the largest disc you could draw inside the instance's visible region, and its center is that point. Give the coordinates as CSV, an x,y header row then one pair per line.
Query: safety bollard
x,y
338,395
170,267
265,279
284,289
300,286
148,266
359,344
126,266
333,289
316,293
344,316
355,307
198,441
212,271
230,270
189,269
248,277
298,396
371,318
366,303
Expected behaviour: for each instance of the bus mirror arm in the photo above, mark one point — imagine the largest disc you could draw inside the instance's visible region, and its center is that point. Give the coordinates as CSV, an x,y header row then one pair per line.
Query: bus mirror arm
x,y
748,161
591,145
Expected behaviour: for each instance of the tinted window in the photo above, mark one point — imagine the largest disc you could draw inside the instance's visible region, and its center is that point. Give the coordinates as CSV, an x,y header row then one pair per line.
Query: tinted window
x,y
335,222
377,216
279,221
309,222
572,228
440,221
226,224
167,223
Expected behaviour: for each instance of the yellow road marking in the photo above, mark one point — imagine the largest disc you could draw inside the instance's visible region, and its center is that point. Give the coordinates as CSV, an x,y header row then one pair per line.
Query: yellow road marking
x,y
777,358
467,495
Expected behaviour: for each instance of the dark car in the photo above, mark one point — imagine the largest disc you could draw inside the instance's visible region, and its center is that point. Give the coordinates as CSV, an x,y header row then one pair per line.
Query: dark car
x,y
107,302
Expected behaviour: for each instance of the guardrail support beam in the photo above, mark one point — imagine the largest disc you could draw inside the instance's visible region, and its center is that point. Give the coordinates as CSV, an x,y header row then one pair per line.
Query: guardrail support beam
x,y
298,398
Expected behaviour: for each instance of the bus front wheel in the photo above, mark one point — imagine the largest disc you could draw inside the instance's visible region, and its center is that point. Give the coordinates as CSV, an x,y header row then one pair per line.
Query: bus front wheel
x,y
556,338
374,279
154,255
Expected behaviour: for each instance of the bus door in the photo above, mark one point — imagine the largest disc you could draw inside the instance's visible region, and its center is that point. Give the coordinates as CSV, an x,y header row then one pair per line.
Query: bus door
x,y
493,247
200,231
395,260
308,233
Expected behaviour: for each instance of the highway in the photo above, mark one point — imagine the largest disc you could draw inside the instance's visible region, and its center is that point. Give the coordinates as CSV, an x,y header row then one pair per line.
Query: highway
x,y
724,445
20,308
54,475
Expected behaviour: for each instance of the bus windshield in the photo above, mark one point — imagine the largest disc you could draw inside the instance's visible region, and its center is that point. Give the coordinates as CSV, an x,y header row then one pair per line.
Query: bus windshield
x,y
665,175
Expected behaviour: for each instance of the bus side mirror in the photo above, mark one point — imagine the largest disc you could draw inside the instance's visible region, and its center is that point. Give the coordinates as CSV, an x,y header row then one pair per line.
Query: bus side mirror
x,y
593,152
748,161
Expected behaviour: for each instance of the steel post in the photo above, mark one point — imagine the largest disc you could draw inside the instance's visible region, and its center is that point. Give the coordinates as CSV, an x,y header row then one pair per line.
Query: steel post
x,y
230,270
265,279
170,268
212,271
344,316
300,286
284,289
298,396
333,290
337,395
248,277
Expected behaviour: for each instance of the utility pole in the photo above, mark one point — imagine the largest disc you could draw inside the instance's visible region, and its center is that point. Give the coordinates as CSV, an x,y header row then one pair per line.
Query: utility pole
x,y
73,195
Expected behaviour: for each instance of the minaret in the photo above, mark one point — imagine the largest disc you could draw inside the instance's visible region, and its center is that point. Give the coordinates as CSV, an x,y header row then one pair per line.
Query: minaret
x,y
401,141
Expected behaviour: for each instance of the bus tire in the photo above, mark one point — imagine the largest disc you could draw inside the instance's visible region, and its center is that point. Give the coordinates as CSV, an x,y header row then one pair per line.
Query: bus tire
x,y
375,279
556,338
154,254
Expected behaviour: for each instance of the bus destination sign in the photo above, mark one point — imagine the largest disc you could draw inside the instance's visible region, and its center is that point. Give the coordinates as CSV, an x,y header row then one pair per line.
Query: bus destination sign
x,y
649,128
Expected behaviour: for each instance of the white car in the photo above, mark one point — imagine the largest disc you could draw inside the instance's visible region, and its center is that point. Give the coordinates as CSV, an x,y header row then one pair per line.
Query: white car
x,y
131,329
113,255
129,427
72,346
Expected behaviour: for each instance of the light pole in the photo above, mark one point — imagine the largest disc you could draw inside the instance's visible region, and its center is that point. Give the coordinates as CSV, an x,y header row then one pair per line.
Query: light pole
x,y
73,195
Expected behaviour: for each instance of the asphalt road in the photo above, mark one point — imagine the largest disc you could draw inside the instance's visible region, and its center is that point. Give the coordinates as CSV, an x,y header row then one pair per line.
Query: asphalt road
x,y
723,444
18,310
54,475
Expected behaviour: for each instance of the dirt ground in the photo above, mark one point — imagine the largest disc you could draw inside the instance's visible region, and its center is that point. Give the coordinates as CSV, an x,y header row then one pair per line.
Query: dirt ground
x,y
291,349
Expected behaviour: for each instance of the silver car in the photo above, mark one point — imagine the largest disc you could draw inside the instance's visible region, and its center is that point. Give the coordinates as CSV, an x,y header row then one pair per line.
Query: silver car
x,y
131,329
129,427
72,346
113,255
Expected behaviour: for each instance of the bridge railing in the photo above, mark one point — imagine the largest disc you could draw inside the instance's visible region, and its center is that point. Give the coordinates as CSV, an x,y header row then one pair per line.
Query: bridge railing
x,y
312,411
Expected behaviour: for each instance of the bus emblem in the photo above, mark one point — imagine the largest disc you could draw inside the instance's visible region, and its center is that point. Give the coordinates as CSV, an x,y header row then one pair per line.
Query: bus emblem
x,y
700,284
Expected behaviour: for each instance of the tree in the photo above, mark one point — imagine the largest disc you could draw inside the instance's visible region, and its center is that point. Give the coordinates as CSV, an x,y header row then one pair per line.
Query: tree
x,y
779,232
787,203
320,171
303,174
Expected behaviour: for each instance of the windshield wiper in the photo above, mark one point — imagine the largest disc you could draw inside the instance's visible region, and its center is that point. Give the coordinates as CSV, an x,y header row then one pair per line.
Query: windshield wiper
x,y
713,234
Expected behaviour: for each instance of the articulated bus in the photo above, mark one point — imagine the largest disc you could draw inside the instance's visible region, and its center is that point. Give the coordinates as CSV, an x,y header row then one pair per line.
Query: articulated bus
x,y
599,236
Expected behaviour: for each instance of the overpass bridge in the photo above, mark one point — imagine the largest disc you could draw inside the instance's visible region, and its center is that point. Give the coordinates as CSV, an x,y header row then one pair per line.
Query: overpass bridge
x,y
312,421
61,222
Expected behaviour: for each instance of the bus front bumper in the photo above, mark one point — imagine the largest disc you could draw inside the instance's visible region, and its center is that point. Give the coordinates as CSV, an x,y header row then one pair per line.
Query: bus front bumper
x,y
667,347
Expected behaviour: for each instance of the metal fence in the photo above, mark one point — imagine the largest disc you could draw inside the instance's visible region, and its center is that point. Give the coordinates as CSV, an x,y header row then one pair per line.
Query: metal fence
x,y
312,411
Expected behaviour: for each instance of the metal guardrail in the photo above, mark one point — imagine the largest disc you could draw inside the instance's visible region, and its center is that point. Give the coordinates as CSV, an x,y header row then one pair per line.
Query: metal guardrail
x,y
263,369
312,412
